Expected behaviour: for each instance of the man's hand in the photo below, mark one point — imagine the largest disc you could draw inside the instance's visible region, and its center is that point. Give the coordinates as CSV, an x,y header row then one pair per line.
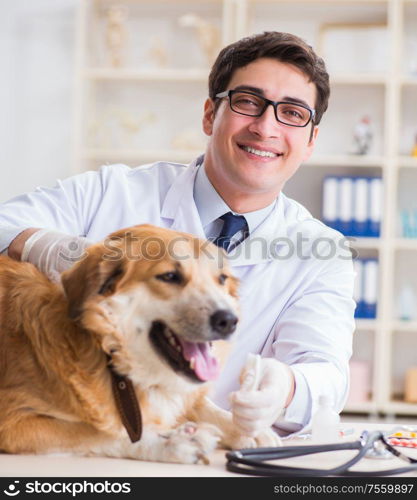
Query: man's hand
x,y
16,246
262,396
53,252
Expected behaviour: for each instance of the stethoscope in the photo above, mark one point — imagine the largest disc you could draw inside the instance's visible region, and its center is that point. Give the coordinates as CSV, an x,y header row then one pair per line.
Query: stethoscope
x,y
253,461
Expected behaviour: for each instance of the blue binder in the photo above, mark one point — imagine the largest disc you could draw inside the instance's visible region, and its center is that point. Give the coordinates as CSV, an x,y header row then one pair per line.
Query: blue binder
x,y
358,288
375,206
360,225
330,205
365,291
353,205
370,286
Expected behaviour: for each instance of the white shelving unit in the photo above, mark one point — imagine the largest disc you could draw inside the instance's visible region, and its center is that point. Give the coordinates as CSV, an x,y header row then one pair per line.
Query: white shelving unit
x,y
147,110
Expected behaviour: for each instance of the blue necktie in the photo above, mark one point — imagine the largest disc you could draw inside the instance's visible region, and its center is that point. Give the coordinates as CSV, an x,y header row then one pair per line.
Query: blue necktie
x,y
232,225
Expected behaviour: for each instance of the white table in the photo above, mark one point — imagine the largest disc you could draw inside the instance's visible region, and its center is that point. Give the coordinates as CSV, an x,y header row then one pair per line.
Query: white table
x,y
70,466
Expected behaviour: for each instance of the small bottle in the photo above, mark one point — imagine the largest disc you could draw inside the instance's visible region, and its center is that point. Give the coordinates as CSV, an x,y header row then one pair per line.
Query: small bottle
x,y
406,303
325,423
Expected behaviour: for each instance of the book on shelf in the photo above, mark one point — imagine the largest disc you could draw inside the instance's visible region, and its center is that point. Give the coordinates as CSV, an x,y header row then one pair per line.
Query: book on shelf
x,y
365,292
353,205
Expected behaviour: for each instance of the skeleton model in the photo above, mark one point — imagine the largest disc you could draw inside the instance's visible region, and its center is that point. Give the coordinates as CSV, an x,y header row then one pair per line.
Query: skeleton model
x,y
208,35
116,34
362,135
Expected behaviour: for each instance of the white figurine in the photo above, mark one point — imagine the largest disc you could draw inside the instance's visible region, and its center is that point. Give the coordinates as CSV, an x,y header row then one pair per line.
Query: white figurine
x,y
116,34
208,34
362,135
414,149
158,52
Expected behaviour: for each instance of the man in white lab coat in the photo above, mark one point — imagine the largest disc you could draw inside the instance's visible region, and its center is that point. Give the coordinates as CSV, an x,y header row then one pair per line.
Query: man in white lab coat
x,y
267,94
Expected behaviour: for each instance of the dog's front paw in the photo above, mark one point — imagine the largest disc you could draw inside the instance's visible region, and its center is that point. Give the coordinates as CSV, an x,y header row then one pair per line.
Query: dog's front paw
x,y
264,439
191,443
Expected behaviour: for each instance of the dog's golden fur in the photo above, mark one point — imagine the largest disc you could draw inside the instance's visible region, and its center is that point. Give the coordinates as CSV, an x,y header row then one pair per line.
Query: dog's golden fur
x,y
56,340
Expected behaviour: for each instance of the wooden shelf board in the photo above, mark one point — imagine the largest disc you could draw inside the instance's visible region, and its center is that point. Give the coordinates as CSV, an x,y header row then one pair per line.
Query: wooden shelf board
x,y
132,74
404,326
409,80
137,155
346,161
367,324
400,408
358,79
363,2
358,242
405,244
365,407
407,161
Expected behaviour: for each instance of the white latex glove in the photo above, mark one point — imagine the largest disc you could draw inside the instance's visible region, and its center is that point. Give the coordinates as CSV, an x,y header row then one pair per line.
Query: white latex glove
x,y
53,252
265,387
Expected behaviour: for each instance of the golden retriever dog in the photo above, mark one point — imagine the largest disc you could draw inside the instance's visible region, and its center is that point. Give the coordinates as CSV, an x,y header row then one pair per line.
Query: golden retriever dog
x,y
116,359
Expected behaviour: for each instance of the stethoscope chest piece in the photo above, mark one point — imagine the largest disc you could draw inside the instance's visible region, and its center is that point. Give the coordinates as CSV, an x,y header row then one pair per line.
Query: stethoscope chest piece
x,y
379,452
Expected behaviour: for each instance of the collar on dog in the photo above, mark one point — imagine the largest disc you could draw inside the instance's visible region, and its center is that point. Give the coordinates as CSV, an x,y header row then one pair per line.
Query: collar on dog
x,y
127,404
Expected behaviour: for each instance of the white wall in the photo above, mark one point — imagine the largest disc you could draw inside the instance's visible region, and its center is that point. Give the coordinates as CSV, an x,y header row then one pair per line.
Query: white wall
x,y
36,85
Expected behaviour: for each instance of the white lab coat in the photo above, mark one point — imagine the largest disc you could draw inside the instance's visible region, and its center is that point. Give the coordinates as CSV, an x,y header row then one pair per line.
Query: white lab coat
x,y
296,276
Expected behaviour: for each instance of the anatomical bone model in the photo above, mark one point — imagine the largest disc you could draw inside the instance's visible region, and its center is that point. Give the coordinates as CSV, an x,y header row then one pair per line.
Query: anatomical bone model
x,y
116,34
208,35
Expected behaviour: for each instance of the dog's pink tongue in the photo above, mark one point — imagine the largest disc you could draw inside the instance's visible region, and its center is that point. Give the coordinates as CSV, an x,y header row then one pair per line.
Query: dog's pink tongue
x,y
206,366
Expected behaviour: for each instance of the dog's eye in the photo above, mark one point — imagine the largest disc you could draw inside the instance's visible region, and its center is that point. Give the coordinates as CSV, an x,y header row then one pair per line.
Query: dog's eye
x,y
222,278
110,283
171,277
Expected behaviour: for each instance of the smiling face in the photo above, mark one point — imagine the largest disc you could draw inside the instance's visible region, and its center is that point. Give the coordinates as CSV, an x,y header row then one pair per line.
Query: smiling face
x,y
249,159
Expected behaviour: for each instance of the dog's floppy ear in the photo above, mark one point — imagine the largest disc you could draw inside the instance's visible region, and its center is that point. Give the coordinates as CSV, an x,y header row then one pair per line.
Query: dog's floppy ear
x,y
90,277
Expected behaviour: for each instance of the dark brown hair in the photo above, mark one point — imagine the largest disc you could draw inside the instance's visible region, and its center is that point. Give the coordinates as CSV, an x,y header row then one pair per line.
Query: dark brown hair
x,y
284,47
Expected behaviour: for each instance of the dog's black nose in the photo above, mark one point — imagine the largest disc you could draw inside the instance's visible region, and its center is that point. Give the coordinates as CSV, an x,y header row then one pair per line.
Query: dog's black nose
x,y
223,322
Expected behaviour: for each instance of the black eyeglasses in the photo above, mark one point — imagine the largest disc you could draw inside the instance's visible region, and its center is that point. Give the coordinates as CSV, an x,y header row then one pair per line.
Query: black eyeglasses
x,y
251,104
